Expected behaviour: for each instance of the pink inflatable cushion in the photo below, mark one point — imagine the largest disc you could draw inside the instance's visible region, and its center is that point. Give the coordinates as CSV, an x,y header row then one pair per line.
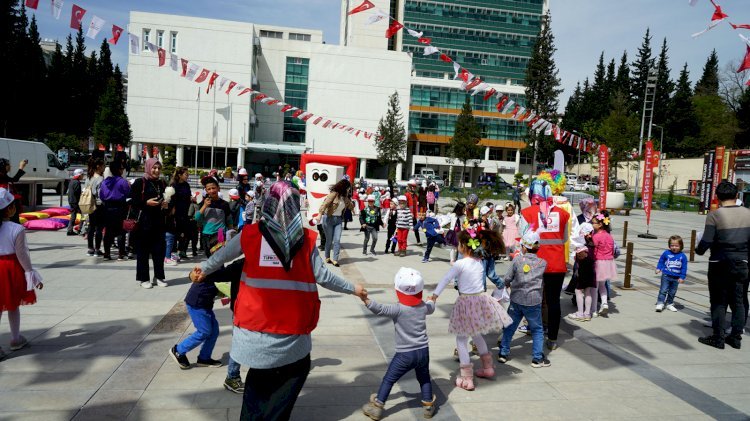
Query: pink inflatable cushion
x,y
56,211
44,225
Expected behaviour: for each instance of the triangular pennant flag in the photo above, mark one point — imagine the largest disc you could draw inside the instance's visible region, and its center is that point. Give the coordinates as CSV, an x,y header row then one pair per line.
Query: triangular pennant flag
x,y
76,16
393,28
445,58
151,47
357,134
243,90
501,103
334,125
57,6
368,135
342,127
317,120
174,62
415,34
184,67
716,18
457,69
428,50
424,40
259,97
297,113
95,26
211,81
232,84
162,56
488,93
135,44
366,5
473,84
326,124
267,99
116,32
272,101
516,110
531,116
508,106
192,70
286,108
222,81
548,129
32,4
202,76
740,26
745,39
538,123
746,62
466,75
306,116
350,129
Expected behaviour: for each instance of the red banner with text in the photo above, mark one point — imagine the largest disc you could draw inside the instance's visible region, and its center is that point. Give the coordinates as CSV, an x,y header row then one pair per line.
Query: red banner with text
x,y
648,180
718,174
603,176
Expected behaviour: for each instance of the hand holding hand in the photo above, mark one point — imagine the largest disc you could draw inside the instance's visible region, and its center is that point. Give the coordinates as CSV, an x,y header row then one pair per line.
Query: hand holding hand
x,y
657,271
40,285
196,275
681,281
433,298
360,291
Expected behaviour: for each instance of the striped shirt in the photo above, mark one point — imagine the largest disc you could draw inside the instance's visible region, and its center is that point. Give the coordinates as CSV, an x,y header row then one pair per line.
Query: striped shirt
x,y
404,218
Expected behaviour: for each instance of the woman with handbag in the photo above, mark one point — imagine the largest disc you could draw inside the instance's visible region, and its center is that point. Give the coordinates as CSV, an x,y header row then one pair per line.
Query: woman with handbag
x,y
114,192
147,199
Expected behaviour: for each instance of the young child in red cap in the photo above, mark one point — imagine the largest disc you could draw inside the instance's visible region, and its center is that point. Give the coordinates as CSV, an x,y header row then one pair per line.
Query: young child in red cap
x,y
412,346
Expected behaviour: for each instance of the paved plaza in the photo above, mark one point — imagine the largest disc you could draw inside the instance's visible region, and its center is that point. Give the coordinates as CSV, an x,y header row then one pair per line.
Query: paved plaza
x,y
99,347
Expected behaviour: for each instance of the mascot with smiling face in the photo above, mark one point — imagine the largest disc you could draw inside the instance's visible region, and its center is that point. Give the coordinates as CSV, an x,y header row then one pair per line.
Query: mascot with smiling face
x,y
321,173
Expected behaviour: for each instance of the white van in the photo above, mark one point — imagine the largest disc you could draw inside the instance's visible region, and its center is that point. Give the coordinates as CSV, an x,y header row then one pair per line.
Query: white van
x,y
43,163
427,172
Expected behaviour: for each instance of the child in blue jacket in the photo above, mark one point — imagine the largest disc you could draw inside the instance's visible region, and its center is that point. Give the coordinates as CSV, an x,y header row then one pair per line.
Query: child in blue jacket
x,y
431,227
673,268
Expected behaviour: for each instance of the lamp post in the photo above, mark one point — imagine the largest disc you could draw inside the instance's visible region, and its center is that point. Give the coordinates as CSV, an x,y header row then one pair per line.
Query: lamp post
x,y
661,149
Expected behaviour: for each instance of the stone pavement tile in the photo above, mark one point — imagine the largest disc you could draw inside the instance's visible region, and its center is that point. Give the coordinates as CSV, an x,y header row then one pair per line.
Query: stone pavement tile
x,y
157,414
738,401
496,390
166,399
50,415
605,388
29,363
350,330
659,406
687,371
34,400
52,381
171,377
326,379
354,350
109,404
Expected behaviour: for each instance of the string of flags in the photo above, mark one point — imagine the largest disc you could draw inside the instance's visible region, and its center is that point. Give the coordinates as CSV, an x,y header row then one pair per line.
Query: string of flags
x,y
719,16
476,85
189,70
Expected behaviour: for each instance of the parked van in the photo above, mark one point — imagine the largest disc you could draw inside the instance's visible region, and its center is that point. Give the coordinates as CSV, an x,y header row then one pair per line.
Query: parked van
x,y
43,162
427,172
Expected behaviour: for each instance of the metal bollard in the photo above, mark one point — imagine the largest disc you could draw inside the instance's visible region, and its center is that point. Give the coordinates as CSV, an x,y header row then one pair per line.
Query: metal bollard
x,y
628,266
693,235
624,233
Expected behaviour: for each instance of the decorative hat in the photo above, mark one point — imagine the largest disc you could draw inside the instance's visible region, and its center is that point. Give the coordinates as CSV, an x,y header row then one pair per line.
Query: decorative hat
x,y
257,174
530,240
78,172
243,171
472,198
6,198
409,285
412,182
484,210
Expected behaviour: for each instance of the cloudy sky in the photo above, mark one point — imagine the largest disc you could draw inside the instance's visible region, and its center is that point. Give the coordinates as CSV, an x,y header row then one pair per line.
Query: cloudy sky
x,y
583,28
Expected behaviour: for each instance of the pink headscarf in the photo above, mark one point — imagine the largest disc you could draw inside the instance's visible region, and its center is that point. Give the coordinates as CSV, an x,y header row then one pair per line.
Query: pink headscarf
x,y
148,166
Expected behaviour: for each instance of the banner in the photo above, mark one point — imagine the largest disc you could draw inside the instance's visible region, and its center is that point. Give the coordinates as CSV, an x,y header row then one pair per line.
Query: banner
x,y
707,174
95,26
603,176
57,6
648,181
717,175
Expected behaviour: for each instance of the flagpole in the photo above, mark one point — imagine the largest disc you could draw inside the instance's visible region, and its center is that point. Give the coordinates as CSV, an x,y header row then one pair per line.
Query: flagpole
x,y
213,131
226,141
197,130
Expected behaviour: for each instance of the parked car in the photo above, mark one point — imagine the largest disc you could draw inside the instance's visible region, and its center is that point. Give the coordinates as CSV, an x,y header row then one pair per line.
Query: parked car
x,y
586,186
438,180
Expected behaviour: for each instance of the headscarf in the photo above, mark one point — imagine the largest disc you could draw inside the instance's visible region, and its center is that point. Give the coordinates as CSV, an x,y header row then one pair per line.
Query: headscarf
x,y
148,166
473,198
540,194
281,223
588,208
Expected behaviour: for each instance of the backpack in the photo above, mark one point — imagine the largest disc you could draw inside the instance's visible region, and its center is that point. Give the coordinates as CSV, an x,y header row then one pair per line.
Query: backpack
x,y
87,202
430,198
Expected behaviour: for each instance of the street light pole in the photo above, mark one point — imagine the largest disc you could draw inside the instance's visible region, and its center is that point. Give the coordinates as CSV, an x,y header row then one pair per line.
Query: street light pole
x,y
661,149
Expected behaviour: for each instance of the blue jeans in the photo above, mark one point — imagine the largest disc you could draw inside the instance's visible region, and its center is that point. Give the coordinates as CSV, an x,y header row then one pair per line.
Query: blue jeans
x,y
170,245
533,315
431,241
233,369
206,333
668,289
403,362
332,227
489,272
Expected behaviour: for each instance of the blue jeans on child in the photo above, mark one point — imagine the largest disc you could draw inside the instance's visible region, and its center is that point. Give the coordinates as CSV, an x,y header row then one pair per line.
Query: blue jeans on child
x,y
533,315
170,245
233,369
489,272
431,241
668,289
403,362
206,333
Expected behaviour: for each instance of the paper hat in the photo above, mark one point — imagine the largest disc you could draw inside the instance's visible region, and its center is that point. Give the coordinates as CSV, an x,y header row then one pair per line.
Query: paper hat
x,y
234,194
6,198
402,198
530,240
484,210
409,285
585,228
243,171
370,198
78,172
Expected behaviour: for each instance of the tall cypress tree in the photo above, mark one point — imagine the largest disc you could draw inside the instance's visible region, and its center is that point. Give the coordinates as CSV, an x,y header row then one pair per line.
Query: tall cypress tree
x,y
681,125
600,91
640,69
111,125
664,86
542,89
464,145
708,84
571,119
391,147
622,80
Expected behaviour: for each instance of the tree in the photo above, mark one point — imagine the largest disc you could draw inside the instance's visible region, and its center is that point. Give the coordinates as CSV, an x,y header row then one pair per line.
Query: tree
x,y
464,145
717,123
681,123
622,80
111,126
640,69
600,91
664,86
391,147
732,84
542,90
619,131
571,119
708,84
743,118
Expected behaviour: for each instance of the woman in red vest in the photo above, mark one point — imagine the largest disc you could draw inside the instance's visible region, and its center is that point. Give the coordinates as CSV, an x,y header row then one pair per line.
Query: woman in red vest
x,y
282,270
551,223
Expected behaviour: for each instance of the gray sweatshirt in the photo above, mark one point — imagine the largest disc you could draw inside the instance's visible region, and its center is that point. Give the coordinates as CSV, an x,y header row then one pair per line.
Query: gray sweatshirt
x,y
410,323
526,287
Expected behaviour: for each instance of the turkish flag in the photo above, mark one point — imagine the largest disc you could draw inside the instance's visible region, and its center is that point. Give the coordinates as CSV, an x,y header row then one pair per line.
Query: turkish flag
x,y
395,27
101,147
244,91
488,94
154,151
746,62
317,120
366,5
203,76
211,81
445,58
33,4
740,26
465,75
184,66
424,40
162,56
116,32
232,84
297,113
259,97
655,159
501,103
76,17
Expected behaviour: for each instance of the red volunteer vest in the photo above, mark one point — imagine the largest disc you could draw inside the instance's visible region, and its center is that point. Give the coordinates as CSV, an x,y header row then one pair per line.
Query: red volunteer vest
x,y
552,239
271,299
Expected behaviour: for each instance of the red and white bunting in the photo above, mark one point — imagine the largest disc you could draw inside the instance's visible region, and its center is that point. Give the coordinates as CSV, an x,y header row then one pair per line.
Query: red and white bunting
x,y
95,26
393,28
76,17
366,5
717,17
202,76
116,32
211,81
162,53
184,67
32,4
232,84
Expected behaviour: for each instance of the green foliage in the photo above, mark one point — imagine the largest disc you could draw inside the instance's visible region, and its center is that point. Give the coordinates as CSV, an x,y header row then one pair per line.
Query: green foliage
x,y
518,177
639,75
743,118
708,84
464,145
670,195
664,86
619,131
681,125
391,148
57,141
111,125
716,122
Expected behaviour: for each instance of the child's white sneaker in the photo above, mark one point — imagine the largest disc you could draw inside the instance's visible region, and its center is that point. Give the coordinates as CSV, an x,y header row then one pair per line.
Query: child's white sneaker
x,y
671,307
659,307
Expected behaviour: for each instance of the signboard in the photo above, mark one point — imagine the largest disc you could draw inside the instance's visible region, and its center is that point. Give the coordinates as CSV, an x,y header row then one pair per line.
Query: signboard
x,y
717,175
706,176
603,176
648,181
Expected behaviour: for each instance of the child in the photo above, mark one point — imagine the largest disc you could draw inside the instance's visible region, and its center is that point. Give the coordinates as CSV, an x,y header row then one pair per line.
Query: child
x,y
434,233
193,227
457,220
412,345
404,222
249,208
585,278
474,313
391,218
235,206
74,196
17,277
673,268
371,222
510,228
604,254
214,214
525,279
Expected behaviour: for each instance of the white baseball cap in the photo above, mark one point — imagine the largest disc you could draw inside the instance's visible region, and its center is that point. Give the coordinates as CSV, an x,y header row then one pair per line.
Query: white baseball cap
x,y
530,240
409,285
234,193
243,171
402,198
484,210
412,182
77,172
250,193
258,175
6,198
371,197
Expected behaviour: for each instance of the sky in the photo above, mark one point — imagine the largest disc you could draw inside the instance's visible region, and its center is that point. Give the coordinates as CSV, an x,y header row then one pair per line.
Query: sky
x,y
582,28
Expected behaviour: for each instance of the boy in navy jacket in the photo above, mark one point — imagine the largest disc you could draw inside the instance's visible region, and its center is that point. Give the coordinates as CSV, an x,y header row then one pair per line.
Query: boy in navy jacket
x,y
431,227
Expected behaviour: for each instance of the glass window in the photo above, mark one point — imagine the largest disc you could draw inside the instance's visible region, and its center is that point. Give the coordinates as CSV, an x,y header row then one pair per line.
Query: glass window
x,y
146,37
160,39
299,37
271,34
173,42
295,93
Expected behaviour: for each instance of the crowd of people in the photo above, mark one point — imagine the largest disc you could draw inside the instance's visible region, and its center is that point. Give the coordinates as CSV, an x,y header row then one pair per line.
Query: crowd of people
x,y
256,242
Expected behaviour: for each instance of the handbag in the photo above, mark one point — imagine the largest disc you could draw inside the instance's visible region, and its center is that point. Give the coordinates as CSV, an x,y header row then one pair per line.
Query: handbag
x,y
130,224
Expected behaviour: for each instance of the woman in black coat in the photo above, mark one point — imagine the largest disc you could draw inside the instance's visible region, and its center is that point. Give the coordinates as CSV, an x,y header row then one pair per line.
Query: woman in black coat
x,y
147,201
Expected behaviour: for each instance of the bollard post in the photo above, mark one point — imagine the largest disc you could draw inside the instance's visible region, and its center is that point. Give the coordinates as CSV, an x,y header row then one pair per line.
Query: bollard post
x,y
624,233
693,235
628,266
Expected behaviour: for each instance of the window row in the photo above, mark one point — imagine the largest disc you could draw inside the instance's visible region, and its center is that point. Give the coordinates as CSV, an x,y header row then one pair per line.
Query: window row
x,y
295,94
428,96
160,40
444,125
280,35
